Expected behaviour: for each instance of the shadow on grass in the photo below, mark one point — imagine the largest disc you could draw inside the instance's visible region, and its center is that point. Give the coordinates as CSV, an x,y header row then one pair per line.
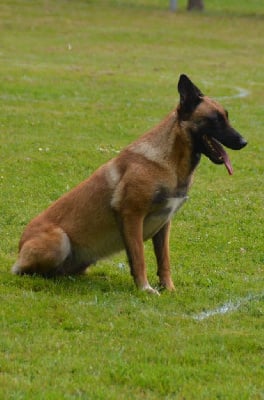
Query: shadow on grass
x,y
94,280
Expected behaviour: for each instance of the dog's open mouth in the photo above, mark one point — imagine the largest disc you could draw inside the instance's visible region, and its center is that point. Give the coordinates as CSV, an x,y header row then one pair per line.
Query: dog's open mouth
x,y
216,152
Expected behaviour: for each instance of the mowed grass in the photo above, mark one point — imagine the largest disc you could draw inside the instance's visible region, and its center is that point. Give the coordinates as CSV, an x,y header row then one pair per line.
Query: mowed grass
x,y
80,80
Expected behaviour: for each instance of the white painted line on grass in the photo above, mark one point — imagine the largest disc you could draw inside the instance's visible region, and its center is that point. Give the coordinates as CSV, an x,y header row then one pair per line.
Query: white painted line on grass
x,y
228,307
239,95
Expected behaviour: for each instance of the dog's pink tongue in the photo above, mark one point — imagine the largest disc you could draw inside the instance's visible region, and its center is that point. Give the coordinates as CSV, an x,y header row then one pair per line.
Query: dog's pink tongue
x,y
228,164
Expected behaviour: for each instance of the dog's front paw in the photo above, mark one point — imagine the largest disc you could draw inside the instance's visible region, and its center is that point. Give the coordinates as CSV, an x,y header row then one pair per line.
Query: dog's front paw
x,y
167,286
165,283
147,288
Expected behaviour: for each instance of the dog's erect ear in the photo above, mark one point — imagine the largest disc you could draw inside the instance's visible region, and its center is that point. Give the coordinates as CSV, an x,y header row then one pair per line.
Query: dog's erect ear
x,y
190,95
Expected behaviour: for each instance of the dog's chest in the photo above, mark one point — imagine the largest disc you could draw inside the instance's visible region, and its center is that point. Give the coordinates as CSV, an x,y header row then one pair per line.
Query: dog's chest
x,y
158,218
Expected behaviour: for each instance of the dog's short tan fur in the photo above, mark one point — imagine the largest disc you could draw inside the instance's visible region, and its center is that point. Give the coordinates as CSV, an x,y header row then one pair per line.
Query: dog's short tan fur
x,y
128,200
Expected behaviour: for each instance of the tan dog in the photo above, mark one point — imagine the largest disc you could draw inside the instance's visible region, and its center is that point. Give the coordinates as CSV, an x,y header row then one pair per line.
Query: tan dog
x,y
132,197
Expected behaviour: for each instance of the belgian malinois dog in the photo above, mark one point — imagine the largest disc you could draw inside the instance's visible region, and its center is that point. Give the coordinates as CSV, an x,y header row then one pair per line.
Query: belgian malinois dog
x,y
132,197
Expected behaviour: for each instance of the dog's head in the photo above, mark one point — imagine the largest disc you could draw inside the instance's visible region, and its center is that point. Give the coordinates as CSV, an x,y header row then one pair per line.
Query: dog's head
x,y
208,123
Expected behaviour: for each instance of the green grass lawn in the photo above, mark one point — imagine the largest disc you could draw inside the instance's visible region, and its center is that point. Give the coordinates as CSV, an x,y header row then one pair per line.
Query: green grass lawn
x,y
79,80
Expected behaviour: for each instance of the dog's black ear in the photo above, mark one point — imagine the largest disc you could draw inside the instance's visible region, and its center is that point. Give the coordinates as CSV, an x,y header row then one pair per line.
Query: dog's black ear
x,y
190,95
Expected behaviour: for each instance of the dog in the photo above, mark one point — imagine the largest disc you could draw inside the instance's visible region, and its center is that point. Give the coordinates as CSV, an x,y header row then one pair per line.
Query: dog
x,y
133,197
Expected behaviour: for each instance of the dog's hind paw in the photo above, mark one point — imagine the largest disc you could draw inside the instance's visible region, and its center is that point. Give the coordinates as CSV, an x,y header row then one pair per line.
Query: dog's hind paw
x,y
16,270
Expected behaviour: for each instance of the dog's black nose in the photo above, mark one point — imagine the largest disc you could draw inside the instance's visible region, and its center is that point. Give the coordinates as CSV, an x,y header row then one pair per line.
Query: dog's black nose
x,y
243,143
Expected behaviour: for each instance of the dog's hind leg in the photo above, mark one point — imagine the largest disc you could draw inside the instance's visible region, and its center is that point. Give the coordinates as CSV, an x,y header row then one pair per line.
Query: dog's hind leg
x,y
43,253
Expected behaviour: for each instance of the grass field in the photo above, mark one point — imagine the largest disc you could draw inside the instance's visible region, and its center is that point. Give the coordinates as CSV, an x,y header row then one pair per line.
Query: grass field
x,y
78,81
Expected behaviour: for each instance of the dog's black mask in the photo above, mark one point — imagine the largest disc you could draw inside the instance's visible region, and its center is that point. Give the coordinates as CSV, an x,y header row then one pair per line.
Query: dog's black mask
x,y
207,123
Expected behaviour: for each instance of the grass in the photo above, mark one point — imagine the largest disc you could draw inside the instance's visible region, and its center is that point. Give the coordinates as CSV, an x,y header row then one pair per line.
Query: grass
x,y
80,80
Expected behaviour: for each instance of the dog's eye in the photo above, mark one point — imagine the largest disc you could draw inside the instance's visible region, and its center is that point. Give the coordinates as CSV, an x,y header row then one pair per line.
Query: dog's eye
x,y
221,118
217,119
213,118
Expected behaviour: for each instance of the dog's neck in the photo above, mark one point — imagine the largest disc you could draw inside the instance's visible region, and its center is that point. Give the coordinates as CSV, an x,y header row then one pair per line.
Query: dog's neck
x,y
186,130
169,143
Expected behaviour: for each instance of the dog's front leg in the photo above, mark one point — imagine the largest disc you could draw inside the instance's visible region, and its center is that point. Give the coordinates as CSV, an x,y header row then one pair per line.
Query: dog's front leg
x,y
132,230
161,248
